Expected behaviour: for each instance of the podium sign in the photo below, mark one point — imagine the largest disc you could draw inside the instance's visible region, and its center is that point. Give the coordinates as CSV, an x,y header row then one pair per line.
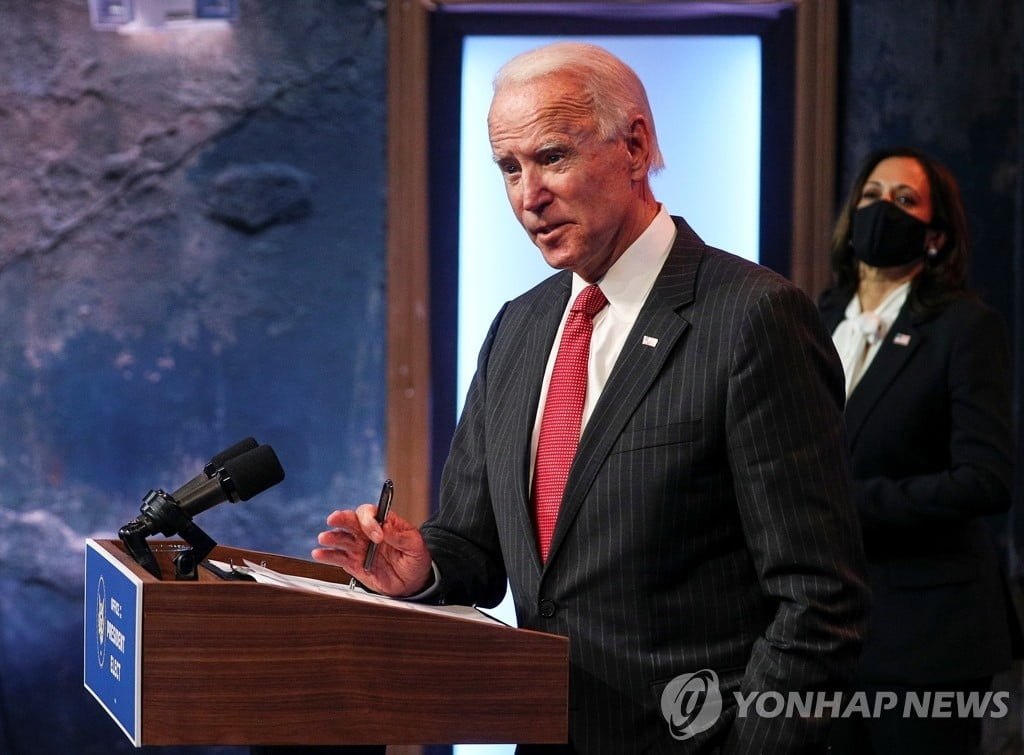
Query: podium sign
x,y
113,628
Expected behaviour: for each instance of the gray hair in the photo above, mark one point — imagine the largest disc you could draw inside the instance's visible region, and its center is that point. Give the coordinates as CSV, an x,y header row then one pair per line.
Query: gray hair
x,y
611,89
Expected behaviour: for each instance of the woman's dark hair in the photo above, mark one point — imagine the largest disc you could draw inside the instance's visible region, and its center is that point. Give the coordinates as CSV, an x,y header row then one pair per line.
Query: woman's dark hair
x,y
944,276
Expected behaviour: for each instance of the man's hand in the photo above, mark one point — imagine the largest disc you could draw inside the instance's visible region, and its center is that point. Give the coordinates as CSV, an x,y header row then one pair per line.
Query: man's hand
x,y
402,565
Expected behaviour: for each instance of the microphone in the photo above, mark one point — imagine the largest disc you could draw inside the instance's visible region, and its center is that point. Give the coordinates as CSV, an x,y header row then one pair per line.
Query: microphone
x,y
239,478
235,474
215,463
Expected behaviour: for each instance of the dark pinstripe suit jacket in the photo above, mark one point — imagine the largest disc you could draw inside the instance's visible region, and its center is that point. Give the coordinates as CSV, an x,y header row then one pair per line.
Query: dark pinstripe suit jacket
x,y
706,522
931,451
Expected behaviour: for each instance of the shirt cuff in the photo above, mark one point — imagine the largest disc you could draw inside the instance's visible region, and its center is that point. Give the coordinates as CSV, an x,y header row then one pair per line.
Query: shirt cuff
x,y
431,591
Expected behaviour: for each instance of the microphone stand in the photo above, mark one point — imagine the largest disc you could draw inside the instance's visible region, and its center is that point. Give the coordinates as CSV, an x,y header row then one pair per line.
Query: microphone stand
x,y
133,535
162,513
187,561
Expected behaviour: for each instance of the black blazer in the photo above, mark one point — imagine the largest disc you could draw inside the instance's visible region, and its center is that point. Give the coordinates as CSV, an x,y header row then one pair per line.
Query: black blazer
x,y
931,449
706,522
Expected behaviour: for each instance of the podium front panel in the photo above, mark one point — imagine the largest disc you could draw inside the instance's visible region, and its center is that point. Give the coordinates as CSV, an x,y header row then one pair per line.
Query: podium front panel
x,y
240,663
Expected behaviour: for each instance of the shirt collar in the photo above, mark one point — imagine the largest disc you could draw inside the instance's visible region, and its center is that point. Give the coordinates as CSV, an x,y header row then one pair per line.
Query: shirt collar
x,y
631,278
887,310
875,325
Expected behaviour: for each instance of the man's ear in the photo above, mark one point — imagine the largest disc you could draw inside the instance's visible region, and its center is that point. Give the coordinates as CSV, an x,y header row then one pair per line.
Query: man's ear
x,y
638,142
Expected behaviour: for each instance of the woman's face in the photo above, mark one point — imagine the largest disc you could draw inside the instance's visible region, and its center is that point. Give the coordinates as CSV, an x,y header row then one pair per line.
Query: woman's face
x,y
902,181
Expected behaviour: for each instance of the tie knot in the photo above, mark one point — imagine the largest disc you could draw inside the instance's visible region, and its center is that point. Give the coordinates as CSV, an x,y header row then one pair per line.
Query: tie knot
x,y
590,301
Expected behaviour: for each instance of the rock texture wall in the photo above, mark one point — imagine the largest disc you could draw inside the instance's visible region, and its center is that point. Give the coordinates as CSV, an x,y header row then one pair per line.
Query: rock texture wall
x,y
191,252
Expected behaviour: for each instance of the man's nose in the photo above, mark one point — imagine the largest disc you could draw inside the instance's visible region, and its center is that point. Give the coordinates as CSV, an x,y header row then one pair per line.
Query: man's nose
x,y
536,194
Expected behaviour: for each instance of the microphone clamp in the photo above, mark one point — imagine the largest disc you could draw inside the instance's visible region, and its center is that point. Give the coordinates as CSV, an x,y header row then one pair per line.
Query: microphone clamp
x,y
160,513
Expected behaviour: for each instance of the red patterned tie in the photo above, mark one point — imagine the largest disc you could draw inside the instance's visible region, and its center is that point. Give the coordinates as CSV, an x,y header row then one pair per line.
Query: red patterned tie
x,y
563,411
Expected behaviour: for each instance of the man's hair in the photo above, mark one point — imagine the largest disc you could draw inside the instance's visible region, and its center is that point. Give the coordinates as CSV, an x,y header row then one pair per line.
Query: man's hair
x,y
609,88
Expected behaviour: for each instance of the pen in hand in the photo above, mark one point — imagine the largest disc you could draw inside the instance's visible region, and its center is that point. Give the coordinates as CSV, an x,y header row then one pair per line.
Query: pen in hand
x,y
383,507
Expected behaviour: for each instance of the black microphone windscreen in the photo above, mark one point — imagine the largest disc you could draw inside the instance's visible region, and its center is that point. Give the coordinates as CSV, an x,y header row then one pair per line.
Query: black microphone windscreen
x,y
216,462
190,488
254,471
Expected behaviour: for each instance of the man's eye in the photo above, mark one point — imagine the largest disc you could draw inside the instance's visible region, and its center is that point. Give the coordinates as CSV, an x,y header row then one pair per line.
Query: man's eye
x,y
508,168
552,158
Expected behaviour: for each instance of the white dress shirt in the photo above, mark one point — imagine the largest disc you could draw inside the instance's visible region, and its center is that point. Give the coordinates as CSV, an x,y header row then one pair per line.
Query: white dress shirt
x,y
626,286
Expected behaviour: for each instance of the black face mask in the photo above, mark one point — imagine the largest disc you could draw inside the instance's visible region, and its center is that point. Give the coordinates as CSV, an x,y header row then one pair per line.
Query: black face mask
x,y
886,236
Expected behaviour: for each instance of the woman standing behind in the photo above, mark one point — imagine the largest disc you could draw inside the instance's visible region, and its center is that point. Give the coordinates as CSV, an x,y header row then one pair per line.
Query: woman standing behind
x,y
928,417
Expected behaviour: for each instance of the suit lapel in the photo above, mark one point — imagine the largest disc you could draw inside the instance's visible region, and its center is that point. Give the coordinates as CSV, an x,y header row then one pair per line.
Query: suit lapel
x,y
538,335
902,341
635,370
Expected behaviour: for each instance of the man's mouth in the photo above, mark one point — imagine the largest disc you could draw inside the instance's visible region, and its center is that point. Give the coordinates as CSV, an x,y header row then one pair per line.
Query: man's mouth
x,y
546,231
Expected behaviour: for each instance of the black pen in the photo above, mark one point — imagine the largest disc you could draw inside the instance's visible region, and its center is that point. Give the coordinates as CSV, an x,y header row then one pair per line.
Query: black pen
x,y
383,507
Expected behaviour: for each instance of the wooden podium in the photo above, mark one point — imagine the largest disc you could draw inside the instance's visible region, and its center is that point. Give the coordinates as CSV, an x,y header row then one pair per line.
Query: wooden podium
x,y
223,662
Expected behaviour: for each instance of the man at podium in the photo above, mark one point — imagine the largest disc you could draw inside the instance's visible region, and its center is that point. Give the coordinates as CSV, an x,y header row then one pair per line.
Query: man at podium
x,y
651,451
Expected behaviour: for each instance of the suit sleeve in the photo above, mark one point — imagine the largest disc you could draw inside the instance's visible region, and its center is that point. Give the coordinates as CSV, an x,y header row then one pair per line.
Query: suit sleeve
x,y
788,453
463,538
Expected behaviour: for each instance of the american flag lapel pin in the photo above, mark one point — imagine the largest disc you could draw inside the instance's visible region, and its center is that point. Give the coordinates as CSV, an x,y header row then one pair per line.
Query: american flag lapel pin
x,y
901,339
649,341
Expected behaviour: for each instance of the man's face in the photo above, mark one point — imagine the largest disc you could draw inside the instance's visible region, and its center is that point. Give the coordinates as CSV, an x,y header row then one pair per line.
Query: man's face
x,y
574,193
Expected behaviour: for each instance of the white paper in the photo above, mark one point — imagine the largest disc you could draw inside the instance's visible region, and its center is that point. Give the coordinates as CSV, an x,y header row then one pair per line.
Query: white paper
x,y
267,576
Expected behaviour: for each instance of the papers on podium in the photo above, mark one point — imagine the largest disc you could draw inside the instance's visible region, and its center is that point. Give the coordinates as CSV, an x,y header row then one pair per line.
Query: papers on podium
x,y
290,581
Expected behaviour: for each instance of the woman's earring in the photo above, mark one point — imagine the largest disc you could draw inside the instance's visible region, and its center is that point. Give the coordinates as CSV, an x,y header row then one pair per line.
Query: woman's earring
x,y
932,251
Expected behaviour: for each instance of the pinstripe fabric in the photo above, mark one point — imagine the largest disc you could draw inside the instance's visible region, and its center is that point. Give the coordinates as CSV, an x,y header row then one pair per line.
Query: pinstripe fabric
x,y
706,521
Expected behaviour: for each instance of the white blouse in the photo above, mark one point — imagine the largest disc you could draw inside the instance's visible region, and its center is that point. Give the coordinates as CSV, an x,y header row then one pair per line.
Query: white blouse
x,y
860,335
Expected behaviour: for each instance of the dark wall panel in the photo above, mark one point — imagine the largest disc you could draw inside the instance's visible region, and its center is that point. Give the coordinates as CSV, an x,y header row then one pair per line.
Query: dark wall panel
x,y
945,76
